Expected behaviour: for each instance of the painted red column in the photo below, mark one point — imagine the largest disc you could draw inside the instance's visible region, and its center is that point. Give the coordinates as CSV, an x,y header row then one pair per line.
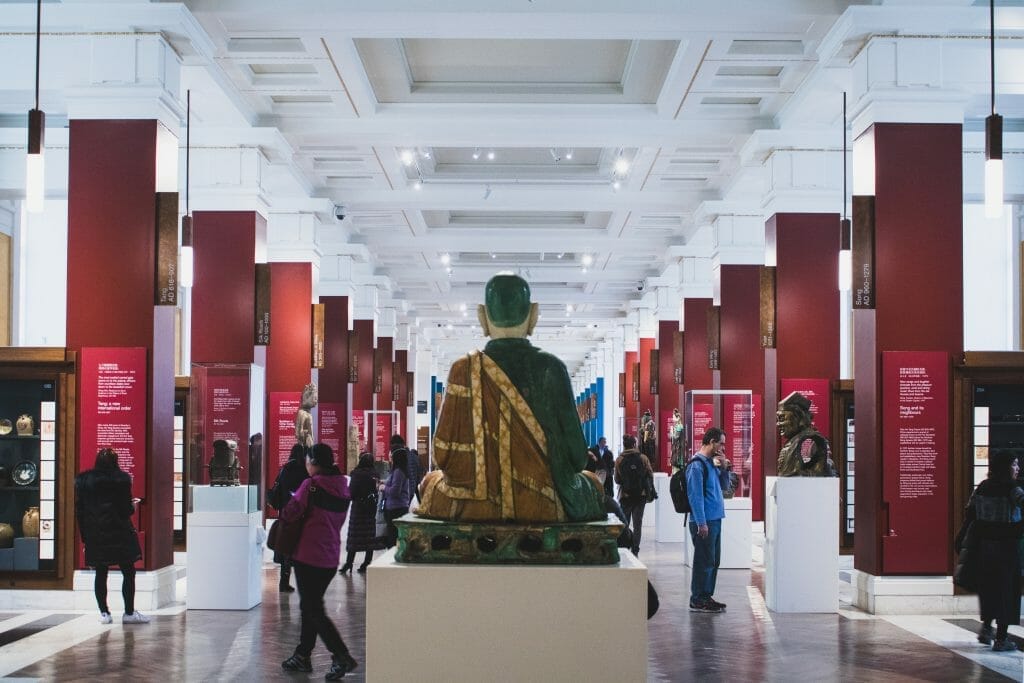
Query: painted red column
x,y
806,246
918,288
670,394
742,358
385,428
333,378
362,390
288,357
111,292
401,404
696,375
648,401
632,409
224,293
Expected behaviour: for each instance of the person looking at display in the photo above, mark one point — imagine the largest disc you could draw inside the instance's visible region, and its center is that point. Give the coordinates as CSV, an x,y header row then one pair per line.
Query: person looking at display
x,y
104,508
995,508
322,500
704,489
397,491
291,475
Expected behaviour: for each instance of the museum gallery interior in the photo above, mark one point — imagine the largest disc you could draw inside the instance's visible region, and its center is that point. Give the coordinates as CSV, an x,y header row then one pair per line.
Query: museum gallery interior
x,y
207,206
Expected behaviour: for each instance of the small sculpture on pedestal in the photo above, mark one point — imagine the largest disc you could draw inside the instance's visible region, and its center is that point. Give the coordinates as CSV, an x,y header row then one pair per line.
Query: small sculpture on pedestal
x,y
304,418
352,447
649,439
224,463
807,452
675,437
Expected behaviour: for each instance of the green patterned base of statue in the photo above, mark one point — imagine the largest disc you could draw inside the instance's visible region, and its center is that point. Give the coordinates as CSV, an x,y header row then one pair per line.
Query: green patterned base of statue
x,y
427,541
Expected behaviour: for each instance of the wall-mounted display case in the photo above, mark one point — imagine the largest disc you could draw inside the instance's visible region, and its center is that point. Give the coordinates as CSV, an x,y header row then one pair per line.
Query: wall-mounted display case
x,y
733,411
36,467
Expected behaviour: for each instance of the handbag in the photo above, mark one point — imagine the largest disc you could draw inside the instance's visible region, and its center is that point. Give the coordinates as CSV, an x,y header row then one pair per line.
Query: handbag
x,y
381,522
283,537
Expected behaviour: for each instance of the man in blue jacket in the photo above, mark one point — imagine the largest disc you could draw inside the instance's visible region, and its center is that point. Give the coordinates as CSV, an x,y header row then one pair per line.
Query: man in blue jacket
x,y
708,509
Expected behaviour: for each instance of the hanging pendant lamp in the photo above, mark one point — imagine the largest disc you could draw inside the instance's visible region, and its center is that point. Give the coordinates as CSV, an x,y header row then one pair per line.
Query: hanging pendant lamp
x,y
186,268
845,231
993,132
35,181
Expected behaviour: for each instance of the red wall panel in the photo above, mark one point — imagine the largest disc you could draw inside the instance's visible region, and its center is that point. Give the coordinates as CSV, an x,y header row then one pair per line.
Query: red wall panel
x,y
224,293
669,393
696,375
362,391
334,375
632,409
386,354
291,323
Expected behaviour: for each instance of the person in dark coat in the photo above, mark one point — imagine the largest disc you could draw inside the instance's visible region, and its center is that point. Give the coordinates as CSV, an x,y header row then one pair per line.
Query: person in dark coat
x,y
996,509
362,520
104,508
291,476
600,460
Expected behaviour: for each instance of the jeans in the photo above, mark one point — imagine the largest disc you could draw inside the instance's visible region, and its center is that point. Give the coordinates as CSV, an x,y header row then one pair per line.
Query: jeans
x,y
313,582
634,513
707,554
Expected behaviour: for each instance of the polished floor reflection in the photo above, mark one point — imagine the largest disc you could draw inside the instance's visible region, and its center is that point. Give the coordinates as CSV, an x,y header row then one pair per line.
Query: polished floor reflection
x,y
747,643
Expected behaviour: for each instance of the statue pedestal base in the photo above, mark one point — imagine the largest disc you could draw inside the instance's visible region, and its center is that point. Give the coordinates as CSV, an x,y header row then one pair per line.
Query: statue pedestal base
x,y
432,541
224,569
668,523
737,536
801,546
502,622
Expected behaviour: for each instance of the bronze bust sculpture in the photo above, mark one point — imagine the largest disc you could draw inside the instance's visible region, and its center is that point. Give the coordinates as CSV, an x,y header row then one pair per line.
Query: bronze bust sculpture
x,y
806,453
224,463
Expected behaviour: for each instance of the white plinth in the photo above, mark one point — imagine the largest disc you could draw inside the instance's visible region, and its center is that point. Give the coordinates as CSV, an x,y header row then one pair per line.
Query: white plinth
x,y
153,590
737,540
220,498
801,548
910,595
225,560
506,623
668,524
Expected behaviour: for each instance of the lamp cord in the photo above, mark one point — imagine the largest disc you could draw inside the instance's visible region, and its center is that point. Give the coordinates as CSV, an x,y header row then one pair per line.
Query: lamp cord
x,y
844,154
188,146
39,23
992,50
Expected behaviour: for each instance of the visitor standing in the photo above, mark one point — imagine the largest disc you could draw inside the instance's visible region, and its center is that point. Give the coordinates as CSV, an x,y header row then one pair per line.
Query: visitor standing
x,y
397,492
708,509
636,485
362,525
289,478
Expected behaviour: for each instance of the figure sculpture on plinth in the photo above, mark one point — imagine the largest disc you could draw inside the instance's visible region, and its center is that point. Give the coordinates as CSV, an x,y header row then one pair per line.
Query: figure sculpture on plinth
x,y
509,448
224,464
649,439
807,452
304,418
675,437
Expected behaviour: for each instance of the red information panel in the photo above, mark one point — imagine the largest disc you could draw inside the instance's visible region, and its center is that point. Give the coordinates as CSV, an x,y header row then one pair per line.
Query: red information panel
x,y
703,416
227,412
915,461
754,472
112,414
382,436
739,445
820,395
331,430
283,406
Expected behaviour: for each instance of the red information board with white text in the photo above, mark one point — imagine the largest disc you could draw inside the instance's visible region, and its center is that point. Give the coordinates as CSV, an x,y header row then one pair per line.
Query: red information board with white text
x,y
703,418
281,430
330,426
915,461
227,412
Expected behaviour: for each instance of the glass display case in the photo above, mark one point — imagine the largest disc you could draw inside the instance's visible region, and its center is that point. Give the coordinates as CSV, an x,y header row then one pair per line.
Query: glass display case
x,y
225,447
36,508
732,410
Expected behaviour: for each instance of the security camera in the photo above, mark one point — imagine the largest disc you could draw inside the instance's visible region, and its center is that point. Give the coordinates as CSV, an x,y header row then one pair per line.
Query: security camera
x,y
340,211
640,285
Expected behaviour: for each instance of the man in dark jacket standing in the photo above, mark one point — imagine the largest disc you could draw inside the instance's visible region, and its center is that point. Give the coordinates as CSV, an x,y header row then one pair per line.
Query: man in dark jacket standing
x,y
104,508
600,459
636,485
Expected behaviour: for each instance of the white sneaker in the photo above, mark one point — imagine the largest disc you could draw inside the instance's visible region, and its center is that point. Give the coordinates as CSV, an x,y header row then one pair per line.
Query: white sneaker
x,y
105,618
135,617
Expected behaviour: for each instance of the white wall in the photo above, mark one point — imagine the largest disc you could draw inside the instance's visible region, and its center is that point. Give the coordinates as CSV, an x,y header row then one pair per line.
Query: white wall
x,y
40,276
990,280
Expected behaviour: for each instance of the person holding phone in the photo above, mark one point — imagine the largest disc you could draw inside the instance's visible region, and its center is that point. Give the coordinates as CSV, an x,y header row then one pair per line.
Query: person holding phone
x,y
104,508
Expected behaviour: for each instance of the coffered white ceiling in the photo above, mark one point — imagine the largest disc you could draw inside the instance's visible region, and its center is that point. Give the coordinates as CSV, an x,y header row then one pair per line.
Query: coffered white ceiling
x,y
583,143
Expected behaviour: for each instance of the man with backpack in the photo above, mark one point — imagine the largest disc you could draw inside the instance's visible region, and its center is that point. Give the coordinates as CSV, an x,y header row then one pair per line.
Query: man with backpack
x,y
635,477
707,505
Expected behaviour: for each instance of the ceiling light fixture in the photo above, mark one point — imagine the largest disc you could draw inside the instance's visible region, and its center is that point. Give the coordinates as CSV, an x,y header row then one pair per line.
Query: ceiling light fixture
x,y
418,184
993,133
490,155
487,192
407,157
568,154
186,269
845,230
476,153
493,255
425,153
587,259
621,165
616,185
446,258
35,178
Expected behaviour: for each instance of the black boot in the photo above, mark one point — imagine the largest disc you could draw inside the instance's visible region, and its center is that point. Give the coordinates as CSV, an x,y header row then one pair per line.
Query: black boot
x,y
340,665
345,568
286,574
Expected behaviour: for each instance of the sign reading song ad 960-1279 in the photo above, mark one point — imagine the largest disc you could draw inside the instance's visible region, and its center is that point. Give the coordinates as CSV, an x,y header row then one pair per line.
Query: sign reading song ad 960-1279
x,y
915,461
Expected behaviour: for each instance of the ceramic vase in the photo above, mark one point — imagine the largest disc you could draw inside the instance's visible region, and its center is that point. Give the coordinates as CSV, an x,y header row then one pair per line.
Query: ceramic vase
x,y
6,535
30,523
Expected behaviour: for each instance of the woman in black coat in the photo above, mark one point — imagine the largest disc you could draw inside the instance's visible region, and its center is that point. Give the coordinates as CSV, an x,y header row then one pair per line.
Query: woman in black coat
x,y
289,478
104,507
996,509
362,519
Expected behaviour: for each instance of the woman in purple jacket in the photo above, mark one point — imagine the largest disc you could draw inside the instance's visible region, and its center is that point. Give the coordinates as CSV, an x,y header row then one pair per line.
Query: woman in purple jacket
x,y
397,492
323,499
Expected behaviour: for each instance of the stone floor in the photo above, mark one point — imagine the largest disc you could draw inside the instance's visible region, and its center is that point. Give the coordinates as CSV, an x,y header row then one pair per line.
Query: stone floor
x,y
747,643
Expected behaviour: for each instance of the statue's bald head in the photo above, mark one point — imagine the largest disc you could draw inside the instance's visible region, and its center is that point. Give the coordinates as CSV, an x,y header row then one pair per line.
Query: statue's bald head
x,y
507,311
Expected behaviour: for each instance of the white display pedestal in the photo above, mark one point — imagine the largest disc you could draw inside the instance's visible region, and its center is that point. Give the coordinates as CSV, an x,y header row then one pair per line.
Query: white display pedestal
x,y
668,524
153,590
224,569
801,547
506,623
737,539
207,498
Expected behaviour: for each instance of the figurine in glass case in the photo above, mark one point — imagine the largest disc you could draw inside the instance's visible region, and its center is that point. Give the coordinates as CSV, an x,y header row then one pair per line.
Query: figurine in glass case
x,y
224,463
304,418
807,452
675,437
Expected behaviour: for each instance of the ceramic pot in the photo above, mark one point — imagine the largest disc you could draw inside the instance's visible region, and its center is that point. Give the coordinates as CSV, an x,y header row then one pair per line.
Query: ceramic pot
x,y
25,425
6,535
30,523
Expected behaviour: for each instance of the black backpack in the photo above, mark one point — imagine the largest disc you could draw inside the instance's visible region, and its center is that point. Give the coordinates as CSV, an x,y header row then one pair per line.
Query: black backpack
x,y
677,489
631,475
